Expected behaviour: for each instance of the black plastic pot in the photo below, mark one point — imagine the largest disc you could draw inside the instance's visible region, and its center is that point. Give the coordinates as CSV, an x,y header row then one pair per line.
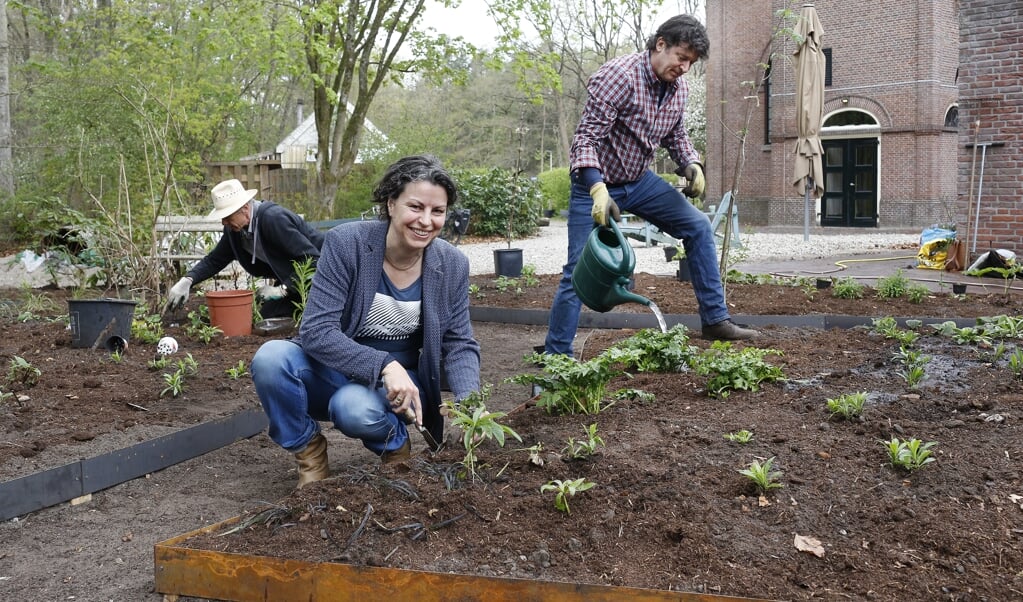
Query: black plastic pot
x,y
823,283
508,262
959,288
682,275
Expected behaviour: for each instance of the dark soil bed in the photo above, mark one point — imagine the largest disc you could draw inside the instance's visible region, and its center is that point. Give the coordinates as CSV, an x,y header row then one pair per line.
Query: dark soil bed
x,y
669,509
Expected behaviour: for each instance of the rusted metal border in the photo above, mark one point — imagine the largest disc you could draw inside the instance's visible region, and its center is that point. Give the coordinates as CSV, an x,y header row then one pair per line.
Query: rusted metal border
x,y
63,483
181,571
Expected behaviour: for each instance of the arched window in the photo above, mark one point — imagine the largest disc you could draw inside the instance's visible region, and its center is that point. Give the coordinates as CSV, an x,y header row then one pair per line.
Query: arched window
x,y
849,117
952,117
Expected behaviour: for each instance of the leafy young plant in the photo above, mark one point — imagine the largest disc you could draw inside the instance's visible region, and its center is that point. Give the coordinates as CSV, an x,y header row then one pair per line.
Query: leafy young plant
x,y
22,371
892,287
478,425
742,436
237,371
761,475
303,281
916,293
584,448
564,490
731,370
175,382
909,455
571,386
847,288
658,351
847,405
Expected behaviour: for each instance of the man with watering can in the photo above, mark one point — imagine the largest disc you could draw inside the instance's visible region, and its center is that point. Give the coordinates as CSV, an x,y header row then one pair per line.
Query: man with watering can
x,y
636,104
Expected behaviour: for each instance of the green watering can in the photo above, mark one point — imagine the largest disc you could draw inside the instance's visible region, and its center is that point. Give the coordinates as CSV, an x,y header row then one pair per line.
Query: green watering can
x,y
601,276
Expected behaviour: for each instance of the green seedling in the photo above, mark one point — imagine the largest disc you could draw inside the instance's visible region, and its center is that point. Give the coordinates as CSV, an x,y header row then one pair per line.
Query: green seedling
x,y
22,371
478,425
188,366
742,436
238,371
892,287
731,370
159,363
584,448
658,351
909,455
574,387
302,283
848,405
175,384
916,293
761,475
847,288
536,454
116,356
1016,363
564,490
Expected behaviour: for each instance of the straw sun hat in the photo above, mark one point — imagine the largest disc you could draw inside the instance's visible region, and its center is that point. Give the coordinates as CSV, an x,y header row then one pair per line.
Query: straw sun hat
x,y
229,196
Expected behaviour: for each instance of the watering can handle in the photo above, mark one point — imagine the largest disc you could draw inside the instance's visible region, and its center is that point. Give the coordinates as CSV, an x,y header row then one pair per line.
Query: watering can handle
x,y
624,244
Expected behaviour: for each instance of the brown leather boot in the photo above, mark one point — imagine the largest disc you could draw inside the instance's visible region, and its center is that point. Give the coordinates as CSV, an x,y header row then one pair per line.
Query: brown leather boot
x,y
402,454
312,461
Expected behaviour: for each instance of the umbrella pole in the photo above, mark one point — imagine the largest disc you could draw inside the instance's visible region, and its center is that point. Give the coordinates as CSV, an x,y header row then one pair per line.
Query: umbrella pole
x,y
806,210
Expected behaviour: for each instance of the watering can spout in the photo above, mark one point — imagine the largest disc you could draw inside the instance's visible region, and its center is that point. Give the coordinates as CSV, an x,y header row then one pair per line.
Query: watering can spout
x,y
601,276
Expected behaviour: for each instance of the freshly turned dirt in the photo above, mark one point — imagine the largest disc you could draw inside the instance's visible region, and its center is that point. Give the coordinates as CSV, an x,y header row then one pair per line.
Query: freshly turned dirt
x,y
669,509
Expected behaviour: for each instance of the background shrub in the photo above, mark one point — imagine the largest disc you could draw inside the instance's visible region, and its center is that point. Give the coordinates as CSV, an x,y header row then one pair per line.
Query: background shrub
x,y
491,194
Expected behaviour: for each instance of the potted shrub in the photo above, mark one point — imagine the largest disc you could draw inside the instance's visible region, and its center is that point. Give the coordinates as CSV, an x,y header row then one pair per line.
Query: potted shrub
x,y
508,262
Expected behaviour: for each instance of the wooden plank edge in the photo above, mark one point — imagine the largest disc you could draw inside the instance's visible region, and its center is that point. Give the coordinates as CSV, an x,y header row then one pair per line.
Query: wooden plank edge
x,y
182,571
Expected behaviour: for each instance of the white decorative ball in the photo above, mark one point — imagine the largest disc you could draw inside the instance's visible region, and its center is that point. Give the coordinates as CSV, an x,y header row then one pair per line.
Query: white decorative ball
x,y
166,346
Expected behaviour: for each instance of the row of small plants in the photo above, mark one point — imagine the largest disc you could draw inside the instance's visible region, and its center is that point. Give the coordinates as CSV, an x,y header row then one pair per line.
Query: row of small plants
x,y
527,279
571,386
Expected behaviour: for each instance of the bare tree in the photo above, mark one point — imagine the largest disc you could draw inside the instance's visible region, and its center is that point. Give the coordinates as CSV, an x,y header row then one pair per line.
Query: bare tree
x,y
6,168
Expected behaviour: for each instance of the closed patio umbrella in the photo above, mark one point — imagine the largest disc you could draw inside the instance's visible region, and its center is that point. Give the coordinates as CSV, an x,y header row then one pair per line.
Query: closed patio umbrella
x,y
809,173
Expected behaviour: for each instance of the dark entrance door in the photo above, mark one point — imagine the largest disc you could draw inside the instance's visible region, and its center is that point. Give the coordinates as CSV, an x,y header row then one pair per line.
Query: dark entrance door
x,y
850,183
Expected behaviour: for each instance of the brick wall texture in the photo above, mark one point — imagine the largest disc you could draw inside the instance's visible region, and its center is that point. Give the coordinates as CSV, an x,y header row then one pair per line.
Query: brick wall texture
x,y
991,94
894,61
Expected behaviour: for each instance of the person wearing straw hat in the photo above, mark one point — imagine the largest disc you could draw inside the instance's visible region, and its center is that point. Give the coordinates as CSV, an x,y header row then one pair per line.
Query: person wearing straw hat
x,y
264,238
636,104
387,319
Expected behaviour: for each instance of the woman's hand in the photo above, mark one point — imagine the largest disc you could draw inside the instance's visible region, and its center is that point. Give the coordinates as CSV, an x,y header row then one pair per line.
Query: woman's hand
x,y
402,393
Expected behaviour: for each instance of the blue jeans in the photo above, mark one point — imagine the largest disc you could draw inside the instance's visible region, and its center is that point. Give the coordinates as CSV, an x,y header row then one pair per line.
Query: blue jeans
x,y
656,201
297,392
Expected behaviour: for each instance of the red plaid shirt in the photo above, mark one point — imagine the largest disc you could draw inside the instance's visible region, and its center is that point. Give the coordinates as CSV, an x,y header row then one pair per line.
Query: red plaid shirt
x,y
623,123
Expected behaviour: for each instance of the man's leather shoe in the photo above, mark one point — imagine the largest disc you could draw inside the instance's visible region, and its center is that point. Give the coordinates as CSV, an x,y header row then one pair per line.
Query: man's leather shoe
x,y
727,330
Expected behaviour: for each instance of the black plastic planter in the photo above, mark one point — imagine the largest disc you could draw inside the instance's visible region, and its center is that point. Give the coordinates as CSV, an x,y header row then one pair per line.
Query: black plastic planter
x,y
508,262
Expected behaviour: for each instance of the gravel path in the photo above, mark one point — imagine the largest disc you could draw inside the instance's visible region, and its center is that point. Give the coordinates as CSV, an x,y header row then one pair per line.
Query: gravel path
x,y
546,252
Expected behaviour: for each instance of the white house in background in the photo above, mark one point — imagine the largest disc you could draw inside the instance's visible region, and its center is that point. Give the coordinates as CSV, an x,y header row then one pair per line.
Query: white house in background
x,y
298,148
284,171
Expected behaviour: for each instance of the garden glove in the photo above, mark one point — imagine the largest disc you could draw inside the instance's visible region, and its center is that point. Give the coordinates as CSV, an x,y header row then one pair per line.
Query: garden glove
x,y
271,293
603,207
178,293
694,175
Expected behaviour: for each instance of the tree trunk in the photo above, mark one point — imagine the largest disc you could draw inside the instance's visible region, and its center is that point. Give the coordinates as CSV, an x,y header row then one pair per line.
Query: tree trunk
x,y
6,166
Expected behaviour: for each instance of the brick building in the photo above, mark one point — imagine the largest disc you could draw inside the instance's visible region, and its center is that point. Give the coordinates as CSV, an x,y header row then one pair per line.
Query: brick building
x,y
991,94
890,133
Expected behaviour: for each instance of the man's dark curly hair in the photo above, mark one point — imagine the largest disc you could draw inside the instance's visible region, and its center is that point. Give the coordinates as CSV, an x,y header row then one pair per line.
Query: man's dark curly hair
x,y
404,171
682,29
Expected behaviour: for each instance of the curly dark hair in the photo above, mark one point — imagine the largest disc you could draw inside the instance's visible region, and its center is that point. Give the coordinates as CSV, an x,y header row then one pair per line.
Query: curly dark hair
x,y
682,29
404,171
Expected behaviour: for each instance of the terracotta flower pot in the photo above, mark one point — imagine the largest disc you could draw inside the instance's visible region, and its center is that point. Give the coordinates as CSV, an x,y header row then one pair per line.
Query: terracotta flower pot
x,y
231,311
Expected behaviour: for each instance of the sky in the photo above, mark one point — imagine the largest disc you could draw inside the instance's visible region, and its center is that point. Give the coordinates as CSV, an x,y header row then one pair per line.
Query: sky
x,y
471,21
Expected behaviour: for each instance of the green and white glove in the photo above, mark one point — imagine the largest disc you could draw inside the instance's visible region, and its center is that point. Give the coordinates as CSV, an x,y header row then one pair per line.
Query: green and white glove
x,y
178,293
269,292
694,175
604,209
